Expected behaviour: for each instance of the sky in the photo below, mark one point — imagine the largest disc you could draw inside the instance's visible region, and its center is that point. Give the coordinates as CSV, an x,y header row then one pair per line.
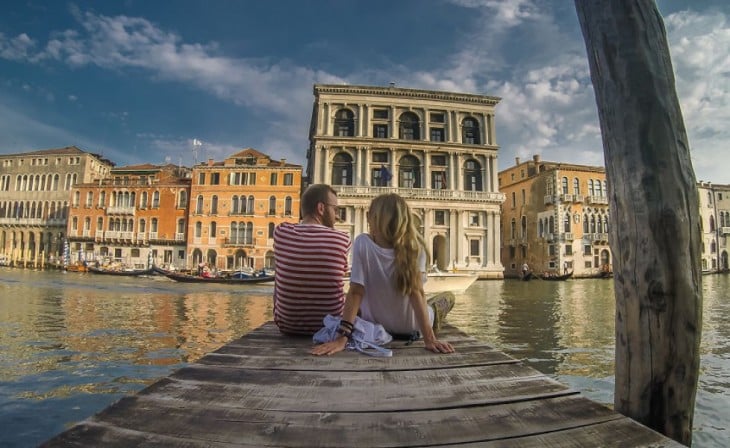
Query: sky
x,y
138,81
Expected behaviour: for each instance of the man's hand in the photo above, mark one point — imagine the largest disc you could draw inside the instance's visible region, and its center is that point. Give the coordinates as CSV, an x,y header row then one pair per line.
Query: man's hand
x,y
439,347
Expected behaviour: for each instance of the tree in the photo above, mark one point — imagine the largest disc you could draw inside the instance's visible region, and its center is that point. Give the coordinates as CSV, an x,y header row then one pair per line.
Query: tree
x,y
654,204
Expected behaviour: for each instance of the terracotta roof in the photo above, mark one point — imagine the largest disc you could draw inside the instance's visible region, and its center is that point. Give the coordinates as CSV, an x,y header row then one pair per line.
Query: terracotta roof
x,y
48,152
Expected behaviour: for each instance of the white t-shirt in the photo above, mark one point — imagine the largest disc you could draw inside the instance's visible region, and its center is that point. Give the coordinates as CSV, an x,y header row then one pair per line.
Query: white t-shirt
x,y
372,267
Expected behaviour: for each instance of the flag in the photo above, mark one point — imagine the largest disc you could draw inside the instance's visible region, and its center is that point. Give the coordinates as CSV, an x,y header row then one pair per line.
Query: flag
x,y
385,175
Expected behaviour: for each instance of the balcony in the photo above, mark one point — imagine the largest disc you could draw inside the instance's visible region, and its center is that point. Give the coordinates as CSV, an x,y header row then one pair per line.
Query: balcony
x,y
420,193
598,200
578,198
179,237
549,199
566,198
595,237
724,230
237,242
38,222
153,235
568,236
120,210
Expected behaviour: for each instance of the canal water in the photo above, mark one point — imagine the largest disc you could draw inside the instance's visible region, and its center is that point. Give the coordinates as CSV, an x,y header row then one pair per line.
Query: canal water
x,y
71,344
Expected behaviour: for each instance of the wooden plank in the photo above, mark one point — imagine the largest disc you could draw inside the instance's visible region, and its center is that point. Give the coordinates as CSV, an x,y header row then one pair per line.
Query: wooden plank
x,y
356,391
390,429
265,390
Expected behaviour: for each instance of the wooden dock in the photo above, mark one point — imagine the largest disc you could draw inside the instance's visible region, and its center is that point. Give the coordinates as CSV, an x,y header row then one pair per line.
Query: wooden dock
x,y
265,390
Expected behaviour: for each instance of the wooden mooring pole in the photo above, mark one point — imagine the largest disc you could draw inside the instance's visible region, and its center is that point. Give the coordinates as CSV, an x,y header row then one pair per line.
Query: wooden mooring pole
x,y
655,231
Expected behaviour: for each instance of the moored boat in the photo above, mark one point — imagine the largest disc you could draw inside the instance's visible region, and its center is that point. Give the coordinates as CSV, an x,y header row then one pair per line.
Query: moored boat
x,y
187,278
121,271
556,277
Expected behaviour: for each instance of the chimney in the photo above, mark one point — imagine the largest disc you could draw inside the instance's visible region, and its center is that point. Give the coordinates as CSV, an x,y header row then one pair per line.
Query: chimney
x,y
517,160
283,161
536,158
210,162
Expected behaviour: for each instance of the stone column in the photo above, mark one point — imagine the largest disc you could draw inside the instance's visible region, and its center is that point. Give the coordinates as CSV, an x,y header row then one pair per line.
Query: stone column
x,y
366,164
356,175
326,168
360,120
453,235
393,128
426,170
325,128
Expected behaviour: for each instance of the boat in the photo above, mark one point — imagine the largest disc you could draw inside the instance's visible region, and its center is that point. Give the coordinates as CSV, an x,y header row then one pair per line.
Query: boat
x,y
556,277
455,282
527,276
232,280
436,282
79,266
123,271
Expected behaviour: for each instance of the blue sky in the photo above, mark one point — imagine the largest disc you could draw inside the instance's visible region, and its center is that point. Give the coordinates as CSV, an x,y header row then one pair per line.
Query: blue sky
x,y
138,80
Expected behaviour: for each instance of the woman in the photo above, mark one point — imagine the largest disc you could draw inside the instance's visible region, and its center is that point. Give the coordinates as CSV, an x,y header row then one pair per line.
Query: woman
x,y
386,281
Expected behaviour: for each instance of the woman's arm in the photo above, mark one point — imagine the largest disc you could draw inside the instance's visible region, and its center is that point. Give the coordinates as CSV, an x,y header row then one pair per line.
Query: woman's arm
x,y
418,302
352,304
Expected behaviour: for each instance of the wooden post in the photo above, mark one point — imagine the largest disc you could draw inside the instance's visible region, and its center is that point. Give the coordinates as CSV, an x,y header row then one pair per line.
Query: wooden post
x,y
654,209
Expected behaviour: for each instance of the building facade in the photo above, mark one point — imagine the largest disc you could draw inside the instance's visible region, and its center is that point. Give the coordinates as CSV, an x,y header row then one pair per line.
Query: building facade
x,y
35,193
135,217
555,218
715,228
436,149
235,205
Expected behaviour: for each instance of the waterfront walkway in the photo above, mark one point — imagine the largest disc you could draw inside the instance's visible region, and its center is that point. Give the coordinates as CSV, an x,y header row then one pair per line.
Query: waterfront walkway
x,y
265,390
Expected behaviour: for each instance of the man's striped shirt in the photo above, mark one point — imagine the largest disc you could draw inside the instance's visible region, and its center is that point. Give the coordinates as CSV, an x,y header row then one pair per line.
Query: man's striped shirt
x,y
311,262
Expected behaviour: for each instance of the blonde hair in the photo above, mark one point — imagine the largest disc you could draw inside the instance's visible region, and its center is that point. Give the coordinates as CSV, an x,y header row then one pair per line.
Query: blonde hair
x,y
395,224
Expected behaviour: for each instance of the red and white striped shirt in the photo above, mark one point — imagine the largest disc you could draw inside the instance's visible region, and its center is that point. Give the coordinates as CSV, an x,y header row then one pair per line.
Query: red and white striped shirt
x,y
311,262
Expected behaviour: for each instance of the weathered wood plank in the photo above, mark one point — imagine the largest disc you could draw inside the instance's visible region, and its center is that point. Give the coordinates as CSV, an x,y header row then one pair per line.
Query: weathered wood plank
x,y
422,428
265,390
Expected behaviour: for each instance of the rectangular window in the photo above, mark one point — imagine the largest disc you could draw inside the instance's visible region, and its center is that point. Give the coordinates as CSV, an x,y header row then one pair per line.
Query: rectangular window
x,y
380,131
439,217
473,219
288,179
568,249
201,179
551,250
438,180
215,178
437,117
474,248
380,157
438,159
380,114
437,135
274,178
586,250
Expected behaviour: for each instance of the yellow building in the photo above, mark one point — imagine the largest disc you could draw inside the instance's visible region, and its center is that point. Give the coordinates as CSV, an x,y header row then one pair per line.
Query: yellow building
x,y
436,149
235,205
715,226
555,218
35,192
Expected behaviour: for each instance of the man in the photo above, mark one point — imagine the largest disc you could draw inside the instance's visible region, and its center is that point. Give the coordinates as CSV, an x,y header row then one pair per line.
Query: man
x,y
311,262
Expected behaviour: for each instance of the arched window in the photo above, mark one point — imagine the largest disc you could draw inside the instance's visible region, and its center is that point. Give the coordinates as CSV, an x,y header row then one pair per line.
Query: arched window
x,y
199,205
599,188
712,223
182,200
513,229
249,205
472,175
344,123
585,223
99,224
271,230
198,229
599,224
593,223
342,169
470,131
524,227
566,223
143,200
213,229
143,225
102,198
605,223
181,226
591,190
551,225
272,205
287,206
214,205
565,185
605,188
153,225
249,233
409,172
541,228
409,127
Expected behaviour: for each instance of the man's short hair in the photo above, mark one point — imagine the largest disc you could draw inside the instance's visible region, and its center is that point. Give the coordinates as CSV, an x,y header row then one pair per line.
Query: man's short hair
x,y
313,195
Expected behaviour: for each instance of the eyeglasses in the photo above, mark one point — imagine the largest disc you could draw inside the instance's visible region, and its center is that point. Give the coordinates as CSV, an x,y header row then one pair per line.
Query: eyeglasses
x,y
331,205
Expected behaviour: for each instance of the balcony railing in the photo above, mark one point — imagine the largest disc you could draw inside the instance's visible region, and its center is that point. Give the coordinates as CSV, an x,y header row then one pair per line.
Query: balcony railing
x,y
598,200
549,199
420,193
724,230
578,198
568,236
153,235
595,237
120,210
179,237
33,222
566,198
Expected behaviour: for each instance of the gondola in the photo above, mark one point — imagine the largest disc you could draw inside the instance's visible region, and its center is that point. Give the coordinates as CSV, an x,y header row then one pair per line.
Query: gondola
x,y
563,277
527,276
186,278
120,272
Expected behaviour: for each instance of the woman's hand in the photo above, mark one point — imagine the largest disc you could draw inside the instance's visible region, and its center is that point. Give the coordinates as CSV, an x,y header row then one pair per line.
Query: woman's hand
x,y
329,348
439,346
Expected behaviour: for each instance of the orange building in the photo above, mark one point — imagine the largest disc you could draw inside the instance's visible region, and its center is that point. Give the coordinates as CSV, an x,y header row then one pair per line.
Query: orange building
x,y
135,217
235,205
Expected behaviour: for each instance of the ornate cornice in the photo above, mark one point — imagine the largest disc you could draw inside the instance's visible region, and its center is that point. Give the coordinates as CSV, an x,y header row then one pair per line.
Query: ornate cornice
x,y
399,92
